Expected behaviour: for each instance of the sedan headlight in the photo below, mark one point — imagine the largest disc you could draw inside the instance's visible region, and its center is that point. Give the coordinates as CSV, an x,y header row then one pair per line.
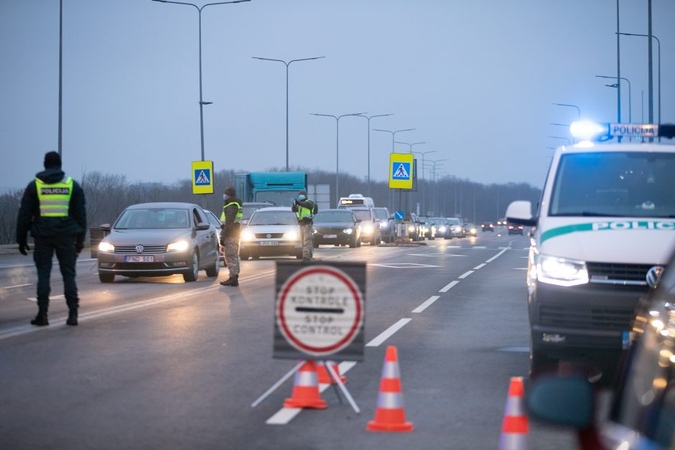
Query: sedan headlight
x,y
178,246
367,229
561,271
247,235
106,247
291,235
411,228
348,230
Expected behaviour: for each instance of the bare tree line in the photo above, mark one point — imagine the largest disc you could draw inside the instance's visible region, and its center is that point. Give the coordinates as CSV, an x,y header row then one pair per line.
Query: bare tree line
x,y
108,194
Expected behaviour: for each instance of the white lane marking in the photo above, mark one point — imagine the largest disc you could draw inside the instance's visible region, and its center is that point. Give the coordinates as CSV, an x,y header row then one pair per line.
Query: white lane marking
x,y
18,286
497,255
479,266
386,334
402,265
465,274
426,304
435,255
479,247
51,297
521,268
285,415
449,286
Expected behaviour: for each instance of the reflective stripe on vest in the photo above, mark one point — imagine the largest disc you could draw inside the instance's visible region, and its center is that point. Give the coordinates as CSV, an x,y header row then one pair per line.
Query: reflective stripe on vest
x,y
54,198
237,217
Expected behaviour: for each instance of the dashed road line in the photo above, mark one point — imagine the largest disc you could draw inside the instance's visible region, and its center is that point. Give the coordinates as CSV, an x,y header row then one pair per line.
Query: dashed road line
x,y
426,304
386,334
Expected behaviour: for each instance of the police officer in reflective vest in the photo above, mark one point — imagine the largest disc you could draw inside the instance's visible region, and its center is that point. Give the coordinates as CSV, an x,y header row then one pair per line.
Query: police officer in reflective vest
x,y
231,223
305,209
53,210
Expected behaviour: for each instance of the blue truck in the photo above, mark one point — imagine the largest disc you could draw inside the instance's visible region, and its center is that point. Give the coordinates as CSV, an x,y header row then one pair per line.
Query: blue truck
x,y
280,188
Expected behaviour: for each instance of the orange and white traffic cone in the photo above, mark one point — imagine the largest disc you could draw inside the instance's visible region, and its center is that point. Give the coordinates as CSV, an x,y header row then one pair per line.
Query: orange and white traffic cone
x,y
306,389
324,376
390,414
515,426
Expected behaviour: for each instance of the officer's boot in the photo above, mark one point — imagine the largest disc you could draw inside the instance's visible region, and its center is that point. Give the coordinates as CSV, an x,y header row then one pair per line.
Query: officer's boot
x,y
232,281
41,319
72,317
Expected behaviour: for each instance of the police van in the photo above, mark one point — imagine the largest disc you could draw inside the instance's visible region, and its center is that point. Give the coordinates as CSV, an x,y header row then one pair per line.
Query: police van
x,y
356,200
601,235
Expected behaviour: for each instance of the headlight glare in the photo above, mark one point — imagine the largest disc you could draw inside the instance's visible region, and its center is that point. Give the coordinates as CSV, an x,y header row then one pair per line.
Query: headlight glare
x,y
561,271
106,247
178,246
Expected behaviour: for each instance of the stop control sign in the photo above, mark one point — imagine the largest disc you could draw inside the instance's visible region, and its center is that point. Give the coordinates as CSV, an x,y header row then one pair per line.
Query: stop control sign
x,y
320,311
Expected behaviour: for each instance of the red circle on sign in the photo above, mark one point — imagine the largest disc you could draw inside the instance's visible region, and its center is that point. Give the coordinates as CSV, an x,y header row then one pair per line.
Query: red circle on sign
x,y
354,327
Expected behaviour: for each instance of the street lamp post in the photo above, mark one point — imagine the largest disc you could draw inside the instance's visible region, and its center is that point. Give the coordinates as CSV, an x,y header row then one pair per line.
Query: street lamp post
x,y
658,48
423,153
287,63
337,147
560,137
569,105
616,86
434,200
393,134
201,100
368,118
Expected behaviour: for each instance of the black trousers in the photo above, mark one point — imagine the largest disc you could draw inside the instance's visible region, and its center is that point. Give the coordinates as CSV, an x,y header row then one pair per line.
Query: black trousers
x,y
64,247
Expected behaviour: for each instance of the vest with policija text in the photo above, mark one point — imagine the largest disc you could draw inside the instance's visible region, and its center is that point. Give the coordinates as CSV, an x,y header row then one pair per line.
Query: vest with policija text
x,y
54,198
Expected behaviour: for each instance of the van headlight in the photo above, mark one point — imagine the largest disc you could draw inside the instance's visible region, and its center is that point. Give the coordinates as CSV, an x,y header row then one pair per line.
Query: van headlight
x,y
561,271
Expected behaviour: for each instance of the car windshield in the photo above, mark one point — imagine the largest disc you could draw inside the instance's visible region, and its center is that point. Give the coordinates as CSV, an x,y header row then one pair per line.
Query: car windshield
x,y
363,214
452,221
248,210
261,217
627,184
334,216
154,218
437,221
381,214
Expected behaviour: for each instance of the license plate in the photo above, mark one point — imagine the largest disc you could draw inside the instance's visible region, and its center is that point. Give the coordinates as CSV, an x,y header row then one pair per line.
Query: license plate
x,y
139,259
268,243
330,236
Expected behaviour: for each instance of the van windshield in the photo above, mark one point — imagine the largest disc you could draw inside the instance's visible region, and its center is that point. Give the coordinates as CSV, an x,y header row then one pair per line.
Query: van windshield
x,y
624,184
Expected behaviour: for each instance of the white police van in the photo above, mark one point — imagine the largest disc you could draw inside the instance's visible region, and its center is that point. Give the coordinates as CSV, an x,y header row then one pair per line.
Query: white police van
x,y
602,233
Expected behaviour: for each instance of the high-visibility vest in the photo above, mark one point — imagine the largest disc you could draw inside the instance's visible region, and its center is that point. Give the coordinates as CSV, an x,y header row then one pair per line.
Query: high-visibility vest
x,y
306,213
237,217
54,198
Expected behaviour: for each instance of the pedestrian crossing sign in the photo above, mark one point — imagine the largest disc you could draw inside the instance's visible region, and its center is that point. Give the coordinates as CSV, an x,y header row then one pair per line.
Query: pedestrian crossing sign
x,y
202,177
401,170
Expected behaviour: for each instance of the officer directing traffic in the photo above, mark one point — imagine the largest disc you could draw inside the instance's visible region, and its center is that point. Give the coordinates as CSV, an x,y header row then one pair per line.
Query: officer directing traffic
x,y
231,223
305,209
53,210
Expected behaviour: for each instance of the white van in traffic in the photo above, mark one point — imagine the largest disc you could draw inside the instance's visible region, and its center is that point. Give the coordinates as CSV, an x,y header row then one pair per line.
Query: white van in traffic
x,y
356,200
602,234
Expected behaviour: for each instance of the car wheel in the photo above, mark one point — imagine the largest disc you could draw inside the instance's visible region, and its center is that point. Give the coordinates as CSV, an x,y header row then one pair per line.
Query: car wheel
x,y
298,255
194,269
243,256
106,277
353,243
213,270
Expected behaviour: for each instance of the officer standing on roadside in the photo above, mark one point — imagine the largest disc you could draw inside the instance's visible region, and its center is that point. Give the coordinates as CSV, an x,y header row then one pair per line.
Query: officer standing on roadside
x,y
53,210
231,220
305,209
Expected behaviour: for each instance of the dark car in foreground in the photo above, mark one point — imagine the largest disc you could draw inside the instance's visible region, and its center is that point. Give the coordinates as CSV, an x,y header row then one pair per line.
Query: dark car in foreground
x,y
158,239
642,413
387,223
337,227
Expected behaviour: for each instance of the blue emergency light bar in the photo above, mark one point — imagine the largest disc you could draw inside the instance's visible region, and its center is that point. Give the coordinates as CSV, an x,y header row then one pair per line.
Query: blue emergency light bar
x,y
591,131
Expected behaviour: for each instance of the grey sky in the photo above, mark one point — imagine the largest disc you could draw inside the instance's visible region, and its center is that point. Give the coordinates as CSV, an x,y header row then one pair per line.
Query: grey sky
x,y
475,78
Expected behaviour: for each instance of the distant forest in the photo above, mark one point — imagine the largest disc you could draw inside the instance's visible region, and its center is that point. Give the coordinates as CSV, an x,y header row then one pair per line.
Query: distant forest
x,y
448,196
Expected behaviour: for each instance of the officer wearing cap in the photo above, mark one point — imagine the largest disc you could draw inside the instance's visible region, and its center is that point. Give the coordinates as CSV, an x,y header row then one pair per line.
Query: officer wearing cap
x,y
53,210
231,220
305,209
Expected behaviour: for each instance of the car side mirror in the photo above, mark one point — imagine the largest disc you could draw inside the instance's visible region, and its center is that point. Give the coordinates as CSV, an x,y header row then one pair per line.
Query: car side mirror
x,y
561,399
203,226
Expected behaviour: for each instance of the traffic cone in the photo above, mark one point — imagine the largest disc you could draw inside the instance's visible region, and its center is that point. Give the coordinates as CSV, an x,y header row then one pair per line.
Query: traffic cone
x,y
324,376
390,414
306,389
514,426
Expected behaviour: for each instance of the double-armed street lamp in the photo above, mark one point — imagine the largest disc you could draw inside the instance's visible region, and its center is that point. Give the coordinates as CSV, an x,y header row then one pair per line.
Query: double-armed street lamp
x,y
569,105
423,153
393,134
201,100
287,63
368,118
615,86
560,137
658,47
337,147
